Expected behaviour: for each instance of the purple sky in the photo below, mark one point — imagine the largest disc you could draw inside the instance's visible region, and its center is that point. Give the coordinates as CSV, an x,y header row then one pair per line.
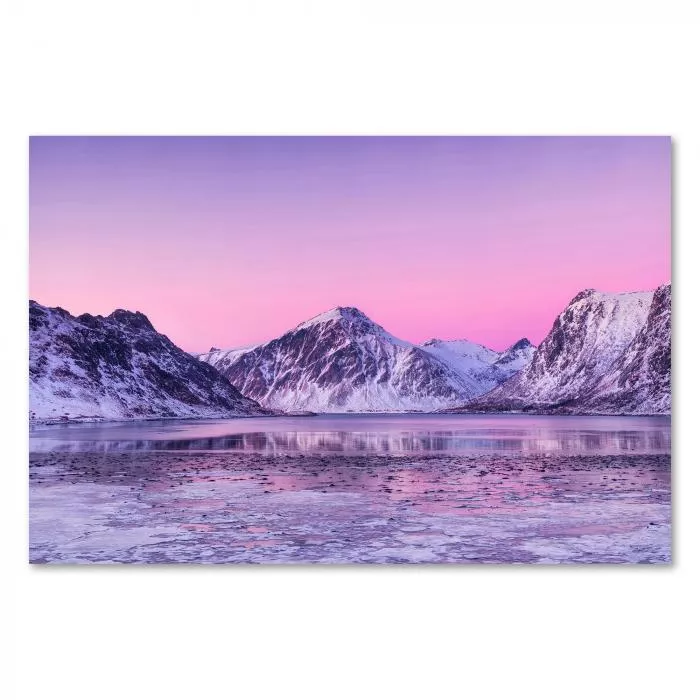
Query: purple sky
x,y
228,241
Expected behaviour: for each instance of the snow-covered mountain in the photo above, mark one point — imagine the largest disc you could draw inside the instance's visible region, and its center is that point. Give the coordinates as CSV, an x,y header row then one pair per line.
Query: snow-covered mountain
x,y
342,361
119,366
462,354
487,367
605,353
640,379
482,367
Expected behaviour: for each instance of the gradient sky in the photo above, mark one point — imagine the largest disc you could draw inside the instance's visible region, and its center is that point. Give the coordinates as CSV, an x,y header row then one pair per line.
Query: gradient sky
x,y
227,241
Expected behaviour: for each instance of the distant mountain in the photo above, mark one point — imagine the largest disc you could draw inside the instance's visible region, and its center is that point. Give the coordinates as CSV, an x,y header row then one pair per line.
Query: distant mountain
x,y
119,366
605,353
343,361
484,367
514,358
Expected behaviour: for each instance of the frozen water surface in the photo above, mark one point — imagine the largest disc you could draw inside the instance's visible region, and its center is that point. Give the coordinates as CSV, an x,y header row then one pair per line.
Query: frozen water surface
x,y
353,489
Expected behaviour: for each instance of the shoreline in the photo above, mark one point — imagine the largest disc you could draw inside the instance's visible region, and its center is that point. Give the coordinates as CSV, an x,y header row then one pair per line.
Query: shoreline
x,y
84,420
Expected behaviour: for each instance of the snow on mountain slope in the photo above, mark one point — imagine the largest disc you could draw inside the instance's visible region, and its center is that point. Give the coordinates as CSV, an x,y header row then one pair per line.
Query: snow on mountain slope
x,y
640,379
221,359
462,354
515,358
483,367
119,366
342,361
594,343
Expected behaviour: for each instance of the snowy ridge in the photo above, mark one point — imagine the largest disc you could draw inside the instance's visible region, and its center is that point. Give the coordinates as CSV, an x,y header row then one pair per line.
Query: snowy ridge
x,y
119,366
462,353
515,358
341,361
484,367
221,359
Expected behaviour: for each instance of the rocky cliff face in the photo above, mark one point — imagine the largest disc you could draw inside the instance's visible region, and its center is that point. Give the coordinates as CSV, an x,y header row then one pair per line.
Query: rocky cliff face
x,y
605,353
342,361
119,366
640,379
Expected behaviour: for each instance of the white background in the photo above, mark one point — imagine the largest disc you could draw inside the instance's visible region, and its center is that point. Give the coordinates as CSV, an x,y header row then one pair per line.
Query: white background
x,y
375,67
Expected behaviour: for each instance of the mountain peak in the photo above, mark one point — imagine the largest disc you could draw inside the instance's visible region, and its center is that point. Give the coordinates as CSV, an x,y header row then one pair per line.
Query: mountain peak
x,y
517,355
135,319
583,294
596,295
337,313
521,344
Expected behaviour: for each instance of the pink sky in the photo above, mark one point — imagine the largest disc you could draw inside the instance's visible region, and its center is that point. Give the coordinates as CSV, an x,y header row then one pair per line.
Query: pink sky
x,y
229,241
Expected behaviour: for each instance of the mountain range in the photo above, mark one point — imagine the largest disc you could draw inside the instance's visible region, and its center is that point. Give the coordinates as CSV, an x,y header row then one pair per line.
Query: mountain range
x,y
605,353
342,361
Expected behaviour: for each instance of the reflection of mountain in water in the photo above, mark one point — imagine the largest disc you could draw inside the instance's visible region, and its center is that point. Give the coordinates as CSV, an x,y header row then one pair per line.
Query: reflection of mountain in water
x,y
457,441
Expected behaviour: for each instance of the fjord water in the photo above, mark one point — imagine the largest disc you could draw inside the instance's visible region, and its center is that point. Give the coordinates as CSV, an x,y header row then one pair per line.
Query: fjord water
x,y
381,433
353,488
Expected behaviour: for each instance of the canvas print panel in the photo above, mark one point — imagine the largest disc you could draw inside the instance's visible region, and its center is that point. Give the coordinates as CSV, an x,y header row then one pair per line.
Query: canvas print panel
x,y
350,350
